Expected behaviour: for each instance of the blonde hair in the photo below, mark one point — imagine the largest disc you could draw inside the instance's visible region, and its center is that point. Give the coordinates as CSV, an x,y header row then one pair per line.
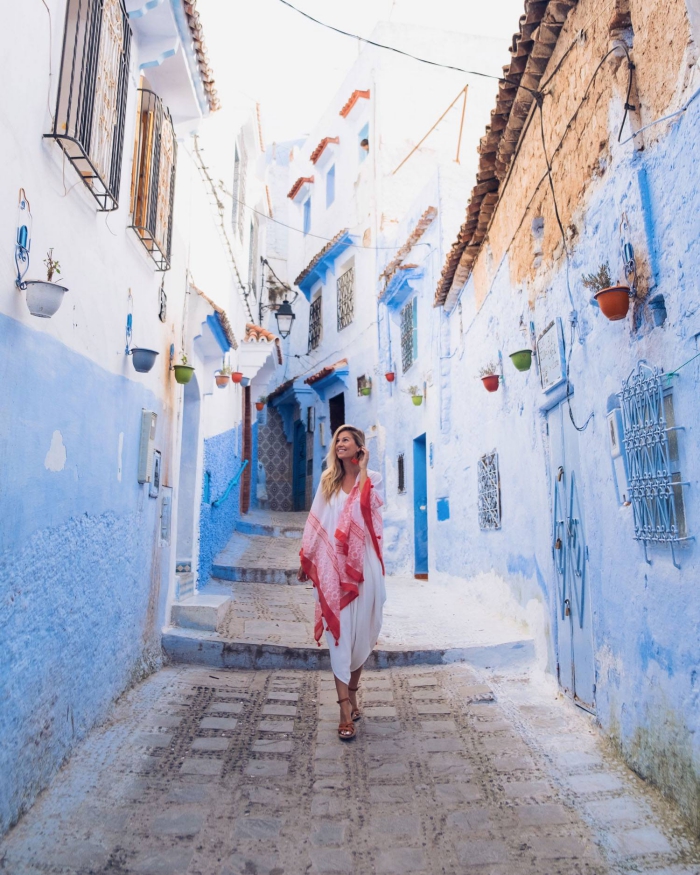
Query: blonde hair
x,y
332,477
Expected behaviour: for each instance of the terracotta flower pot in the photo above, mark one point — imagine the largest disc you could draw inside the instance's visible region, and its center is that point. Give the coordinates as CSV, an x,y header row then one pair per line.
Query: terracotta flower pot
x,y
259,405
490,382
221,380
390,376
614,302
236,376
183,373
522,359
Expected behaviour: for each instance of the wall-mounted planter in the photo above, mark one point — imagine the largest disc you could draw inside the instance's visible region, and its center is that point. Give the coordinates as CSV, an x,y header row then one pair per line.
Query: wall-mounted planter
x,y
522,359
259,405
417,400
183,373
366,390
614,302
143,359
221,380
236,376
44,298
491,382
390,376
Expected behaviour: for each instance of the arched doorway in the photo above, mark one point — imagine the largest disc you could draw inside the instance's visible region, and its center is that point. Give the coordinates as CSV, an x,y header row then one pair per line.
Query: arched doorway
x,y
187,505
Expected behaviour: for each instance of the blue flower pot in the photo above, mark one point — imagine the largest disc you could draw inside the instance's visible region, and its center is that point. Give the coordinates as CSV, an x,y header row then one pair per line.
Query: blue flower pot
x,y
143,359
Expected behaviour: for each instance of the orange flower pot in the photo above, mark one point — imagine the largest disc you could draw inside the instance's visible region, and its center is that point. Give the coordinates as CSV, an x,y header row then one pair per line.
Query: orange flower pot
x,y
490,382
259,405
614,302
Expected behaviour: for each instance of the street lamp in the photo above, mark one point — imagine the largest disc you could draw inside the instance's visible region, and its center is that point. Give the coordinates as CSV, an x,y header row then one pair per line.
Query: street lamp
x,y
284,316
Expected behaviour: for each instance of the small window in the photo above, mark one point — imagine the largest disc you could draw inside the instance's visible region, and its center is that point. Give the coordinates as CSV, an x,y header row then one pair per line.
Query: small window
x,y
346,298
409,334
401,471
330,186
307,215
363,143
315,323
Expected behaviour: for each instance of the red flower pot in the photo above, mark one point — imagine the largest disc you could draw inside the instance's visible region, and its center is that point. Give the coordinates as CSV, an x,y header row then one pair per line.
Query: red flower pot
x,y
259,405
490,382
614,302
391,376
236,376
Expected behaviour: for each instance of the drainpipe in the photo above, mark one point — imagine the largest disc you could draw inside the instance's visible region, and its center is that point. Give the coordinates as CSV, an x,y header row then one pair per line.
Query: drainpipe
x,y
647,218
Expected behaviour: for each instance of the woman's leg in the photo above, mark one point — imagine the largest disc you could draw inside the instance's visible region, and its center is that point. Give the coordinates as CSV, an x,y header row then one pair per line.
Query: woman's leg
x,y
345,707
353,685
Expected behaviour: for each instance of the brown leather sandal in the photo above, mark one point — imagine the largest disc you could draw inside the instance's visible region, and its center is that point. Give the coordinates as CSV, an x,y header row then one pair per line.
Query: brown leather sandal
x,y
356,713
346,731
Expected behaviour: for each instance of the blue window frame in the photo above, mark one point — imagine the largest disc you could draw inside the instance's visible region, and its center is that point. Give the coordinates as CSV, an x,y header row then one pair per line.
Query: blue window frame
x,y
363,136
307,215
330,186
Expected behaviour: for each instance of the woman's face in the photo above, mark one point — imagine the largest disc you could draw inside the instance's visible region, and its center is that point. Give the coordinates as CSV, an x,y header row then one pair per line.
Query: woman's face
x,y
345,446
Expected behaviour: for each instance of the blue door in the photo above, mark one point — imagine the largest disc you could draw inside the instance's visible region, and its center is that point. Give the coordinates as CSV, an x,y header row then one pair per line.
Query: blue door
x,y
420,507
576,667
299,467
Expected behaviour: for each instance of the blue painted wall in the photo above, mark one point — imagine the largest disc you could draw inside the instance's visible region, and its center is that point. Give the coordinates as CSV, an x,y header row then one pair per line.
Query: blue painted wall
x,y
78,555
222,460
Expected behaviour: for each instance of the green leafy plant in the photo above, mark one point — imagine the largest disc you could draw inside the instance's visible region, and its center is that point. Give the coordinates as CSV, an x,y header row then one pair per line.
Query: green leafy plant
x,y
225,370
52,266
488,370
414,390
183,359
596,282
262,399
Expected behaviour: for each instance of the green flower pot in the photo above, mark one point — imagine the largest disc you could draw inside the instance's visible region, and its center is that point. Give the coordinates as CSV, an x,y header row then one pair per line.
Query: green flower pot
x,y
417,400
366,390
183,373
522,359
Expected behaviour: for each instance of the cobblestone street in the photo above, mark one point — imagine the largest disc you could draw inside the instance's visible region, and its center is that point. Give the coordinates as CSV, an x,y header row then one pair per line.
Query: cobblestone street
x,y
241,773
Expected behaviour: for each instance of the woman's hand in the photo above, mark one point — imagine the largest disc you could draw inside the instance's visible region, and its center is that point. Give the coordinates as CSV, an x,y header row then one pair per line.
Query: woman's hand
x,y
302,576
363,458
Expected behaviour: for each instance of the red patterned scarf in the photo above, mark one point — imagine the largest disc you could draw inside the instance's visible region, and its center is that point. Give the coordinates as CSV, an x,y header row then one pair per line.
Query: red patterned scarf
x,y
335,560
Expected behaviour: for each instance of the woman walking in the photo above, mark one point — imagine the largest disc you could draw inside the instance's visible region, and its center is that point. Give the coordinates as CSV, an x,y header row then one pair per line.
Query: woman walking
x,y
341,553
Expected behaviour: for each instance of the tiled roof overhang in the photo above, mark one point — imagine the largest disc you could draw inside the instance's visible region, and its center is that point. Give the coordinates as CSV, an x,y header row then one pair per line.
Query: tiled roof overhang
x,y
531,50
258,334
325,372
318,151
319,265
221,315
354,97
421,226
296,188
200,48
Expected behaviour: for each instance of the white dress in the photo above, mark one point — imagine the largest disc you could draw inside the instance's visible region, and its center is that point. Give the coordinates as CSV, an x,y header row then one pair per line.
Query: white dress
x,y
361,620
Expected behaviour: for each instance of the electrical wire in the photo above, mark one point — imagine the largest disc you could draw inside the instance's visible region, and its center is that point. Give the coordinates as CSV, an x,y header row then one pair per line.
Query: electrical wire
x,y
664,118
404,53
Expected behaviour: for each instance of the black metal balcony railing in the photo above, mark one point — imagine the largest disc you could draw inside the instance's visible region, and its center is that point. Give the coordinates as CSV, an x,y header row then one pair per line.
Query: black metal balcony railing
x,y
92,93
153,178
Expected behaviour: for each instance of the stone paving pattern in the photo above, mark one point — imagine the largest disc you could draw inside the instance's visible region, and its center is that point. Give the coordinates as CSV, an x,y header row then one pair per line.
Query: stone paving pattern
x,y
241,773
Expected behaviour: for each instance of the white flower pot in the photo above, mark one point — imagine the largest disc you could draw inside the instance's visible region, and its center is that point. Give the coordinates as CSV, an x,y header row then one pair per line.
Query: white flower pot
x,y
43,299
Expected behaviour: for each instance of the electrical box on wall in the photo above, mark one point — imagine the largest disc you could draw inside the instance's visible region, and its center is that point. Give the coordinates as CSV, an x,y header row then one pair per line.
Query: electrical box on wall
x,y
148,436
619,457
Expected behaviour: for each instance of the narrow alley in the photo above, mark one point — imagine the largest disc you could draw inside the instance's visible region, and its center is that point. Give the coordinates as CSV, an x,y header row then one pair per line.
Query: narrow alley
x,y
454,770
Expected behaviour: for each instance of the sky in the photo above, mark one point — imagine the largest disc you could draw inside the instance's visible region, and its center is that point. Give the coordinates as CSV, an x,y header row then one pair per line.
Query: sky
x,y
262,51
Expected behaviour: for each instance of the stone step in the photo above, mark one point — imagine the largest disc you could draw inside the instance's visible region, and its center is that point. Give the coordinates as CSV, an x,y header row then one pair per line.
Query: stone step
x,y
258,559
272,524
246,574
202,612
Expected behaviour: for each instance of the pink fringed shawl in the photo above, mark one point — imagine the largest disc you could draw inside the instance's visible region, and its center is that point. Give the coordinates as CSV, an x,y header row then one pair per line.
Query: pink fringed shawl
x,y
335,560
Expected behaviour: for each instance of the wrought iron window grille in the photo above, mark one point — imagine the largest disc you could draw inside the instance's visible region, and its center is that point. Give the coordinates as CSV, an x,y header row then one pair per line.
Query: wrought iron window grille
x,y
92,93
401,472
489,492
409,334
346,298
363,382
315,323
651,444
153,179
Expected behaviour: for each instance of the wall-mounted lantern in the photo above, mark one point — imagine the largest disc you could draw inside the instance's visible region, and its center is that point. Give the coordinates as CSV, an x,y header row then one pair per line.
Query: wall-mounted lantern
x,y
284,316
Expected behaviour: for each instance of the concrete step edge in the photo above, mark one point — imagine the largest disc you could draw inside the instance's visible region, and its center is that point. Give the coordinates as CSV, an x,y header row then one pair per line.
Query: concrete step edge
x,y
245,574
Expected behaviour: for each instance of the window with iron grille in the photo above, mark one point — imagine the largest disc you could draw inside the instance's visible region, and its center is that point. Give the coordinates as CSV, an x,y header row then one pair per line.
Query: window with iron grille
x,y
153,178
315,323
489,492
409,334
401,471
92,92
346,298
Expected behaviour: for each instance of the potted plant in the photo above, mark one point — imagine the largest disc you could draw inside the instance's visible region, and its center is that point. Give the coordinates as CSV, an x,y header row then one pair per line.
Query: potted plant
x,y
390,376
183,371
45,297
222,376
260,403
522,359
489,377
613,300
143,359
237,376
416,395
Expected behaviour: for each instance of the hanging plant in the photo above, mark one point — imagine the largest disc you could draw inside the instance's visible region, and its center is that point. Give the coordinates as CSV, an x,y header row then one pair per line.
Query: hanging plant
x,y
390,376
260,403
490,377
613,300
416,395
222,376
183,371
522,359
45,297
